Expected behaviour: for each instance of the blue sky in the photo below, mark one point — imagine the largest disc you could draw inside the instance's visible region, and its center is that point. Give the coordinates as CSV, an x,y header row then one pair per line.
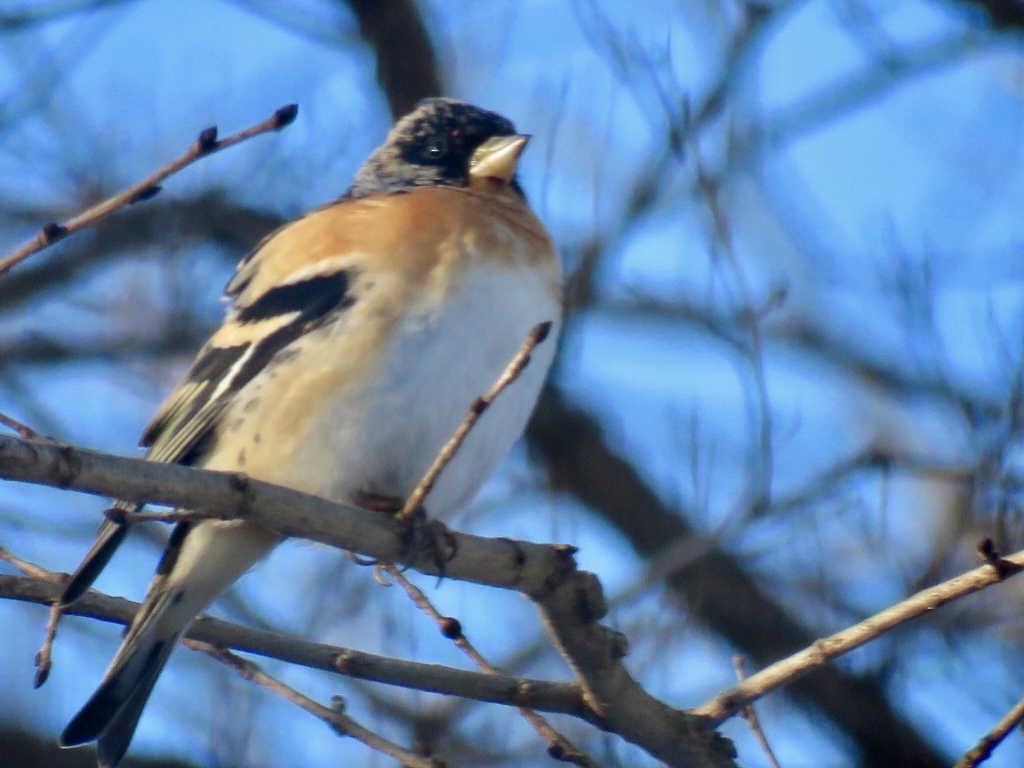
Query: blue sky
x,y
842,213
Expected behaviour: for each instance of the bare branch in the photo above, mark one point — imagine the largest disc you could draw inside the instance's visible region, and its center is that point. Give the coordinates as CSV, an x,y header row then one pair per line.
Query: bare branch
x,y
206,144
44,657
559,747
334,717
728,703
28,568
982,751
208,217
547,696
594,652
504,563
716,588
512,371
407,68
570,600
24,430
750,715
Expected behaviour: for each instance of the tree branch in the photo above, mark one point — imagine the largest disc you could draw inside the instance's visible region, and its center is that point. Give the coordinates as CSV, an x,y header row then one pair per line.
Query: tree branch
x,y
333,716
559,747
982,751
205,144
547,696
717,590
729,702
570,600
407,68
208,217
530,568
512,371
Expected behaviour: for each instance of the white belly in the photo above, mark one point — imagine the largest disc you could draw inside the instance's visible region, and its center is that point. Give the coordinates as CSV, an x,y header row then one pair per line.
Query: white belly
x,y
383,437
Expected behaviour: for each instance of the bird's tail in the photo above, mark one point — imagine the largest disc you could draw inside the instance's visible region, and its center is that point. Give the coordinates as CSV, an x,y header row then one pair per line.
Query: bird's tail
x,y
108,539
112,712
200,561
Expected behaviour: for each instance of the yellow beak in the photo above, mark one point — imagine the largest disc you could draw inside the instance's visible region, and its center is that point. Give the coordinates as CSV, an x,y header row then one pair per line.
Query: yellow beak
x,y
497,158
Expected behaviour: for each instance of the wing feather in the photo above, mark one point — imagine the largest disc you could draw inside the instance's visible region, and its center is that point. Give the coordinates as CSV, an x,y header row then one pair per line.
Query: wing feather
x,y
258,327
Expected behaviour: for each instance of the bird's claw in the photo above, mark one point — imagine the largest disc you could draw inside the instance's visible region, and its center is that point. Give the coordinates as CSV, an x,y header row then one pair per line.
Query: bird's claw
x,y
423,538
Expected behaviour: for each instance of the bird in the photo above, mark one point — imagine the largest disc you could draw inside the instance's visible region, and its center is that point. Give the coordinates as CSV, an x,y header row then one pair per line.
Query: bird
x,y
355,341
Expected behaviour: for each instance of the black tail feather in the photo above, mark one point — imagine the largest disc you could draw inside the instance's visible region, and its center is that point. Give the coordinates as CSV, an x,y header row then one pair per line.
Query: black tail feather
x,y
108,539
113,711
117,734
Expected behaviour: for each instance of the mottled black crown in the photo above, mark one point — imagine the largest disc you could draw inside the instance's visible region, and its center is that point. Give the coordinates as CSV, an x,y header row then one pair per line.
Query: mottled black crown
x,y
429,147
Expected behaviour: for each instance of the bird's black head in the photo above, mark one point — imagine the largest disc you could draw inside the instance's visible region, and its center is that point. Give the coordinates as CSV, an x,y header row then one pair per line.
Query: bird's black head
x,y
434,145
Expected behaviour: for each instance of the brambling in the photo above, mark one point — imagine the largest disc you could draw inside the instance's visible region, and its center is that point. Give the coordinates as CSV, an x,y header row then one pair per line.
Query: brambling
x,y
356,340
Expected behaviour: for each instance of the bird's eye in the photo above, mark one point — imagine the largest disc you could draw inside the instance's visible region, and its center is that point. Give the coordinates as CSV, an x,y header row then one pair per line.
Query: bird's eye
x,y
437,148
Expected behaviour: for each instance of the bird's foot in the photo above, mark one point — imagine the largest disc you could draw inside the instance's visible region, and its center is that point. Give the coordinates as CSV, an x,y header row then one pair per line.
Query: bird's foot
x,y
427,539
421,537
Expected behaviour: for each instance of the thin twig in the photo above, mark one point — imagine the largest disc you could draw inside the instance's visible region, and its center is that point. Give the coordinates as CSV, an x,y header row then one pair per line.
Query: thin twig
x,y
24,430
44,656
515,367
751,716
729,702
982,751
559,747
334,717
205,144
154,516
25,566
758,491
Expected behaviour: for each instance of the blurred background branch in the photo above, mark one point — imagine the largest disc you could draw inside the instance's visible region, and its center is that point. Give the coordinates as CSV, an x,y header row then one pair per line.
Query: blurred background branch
x,y
862,161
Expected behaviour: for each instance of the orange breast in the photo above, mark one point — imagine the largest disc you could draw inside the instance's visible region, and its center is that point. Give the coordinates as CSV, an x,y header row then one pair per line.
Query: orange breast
x,y
412,232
